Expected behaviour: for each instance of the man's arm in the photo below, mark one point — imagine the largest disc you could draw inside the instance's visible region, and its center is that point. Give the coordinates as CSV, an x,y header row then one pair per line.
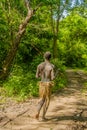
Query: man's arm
x,y
52,74
38,72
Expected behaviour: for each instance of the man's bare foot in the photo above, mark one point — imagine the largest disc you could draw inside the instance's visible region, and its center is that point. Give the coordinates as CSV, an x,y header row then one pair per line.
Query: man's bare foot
x,y
37,116
43,119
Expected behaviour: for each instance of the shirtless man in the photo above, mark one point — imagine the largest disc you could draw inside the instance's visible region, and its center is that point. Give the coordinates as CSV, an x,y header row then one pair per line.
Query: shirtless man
x,y
45,71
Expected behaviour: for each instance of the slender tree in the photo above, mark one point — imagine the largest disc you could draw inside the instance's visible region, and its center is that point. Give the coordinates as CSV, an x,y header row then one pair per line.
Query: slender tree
x,y
13,50
59,9
57,12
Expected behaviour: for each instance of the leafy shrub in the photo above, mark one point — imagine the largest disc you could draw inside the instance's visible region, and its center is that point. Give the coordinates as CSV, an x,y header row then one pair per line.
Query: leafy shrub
x,y
21,84
60,80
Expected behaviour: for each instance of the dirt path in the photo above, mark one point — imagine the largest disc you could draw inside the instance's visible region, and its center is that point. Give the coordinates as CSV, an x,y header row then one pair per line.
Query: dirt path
x,y
67,110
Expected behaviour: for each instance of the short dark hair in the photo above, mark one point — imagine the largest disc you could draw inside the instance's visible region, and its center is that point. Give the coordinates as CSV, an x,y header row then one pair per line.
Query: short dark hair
x,y
47,55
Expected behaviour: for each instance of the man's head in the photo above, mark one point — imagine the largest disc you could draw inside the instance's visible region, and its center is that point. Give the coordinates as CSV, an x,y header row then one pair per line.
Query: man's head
x,y
47,55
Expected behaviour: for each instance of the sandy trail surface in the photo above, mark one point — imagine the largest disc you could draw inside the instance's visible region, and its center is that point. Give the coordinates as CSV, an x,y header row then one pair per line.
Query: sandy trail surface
x,y
67,110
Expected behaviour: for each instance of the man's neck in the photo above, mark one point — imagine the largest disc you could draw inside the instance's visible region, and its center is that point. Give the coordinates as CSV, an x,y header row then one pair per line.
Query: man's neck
x,y
47,61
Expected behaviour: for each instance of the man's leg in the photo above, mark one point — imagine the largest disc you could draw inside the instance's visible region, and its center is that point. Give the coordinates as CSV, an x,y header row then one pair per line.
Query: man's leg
x,y
47,100
42,98
45,107
40,104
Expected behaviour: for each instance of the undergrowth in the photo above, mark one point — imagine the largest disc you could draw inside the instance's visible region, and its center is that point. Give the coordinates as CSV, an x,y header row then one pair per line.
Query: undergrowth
x,y
22,84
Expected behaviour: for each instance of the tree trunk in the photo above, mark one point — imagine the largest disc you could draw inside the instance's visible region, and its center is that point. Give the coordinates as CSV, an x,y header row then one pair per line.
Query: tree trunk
x,y
55,43
55,28
55,53
11,54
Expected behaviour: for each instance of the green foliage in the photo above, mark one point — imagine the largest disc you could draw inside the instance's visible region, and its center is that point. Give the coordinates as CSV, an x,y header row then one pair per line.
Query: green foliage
x,y
73,31
84,89
9,21
21,84
3,36
60,80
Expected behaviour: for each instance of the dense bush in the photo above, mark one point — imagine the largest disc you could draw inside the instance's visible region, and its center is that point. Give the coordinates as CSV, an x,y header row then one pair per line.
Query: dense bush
x,y
73,43
21,83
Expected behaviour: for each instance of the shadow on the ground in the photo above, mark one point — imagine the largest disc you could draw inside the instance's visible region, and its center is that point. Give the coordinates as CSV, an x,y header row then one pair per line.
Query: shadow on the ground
x,y
68,91
73,118
73,124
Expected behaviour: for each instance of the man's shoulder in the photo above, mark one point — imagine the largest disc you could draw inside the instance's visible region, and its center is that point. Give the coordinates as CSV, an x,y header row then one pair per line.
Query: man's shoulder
x,y
53,66
41,64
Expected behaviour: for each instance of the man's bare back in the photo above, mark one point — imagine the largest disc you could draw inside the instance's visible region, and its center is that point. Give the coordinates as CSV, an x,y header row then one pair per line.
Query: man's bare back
x,y
45,71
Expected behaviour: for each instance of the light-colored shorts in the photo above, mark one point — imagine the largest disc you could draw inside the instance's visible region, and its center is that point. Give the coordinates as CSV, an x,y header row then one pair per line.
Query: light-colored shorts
x,y
45,88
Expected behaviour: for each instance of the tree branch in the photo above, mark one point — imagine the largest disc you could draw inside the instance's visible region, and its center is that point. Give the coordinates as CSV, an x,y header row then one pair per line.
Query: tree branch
x,y
10,120
37,7
27,4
